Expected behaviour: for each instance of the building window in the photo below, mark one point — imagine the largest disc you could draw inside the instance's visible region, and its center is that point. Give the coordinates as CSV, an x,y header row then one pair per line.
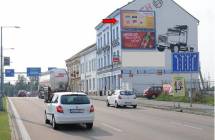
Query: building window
x,y
108,59
101,42
89,84
104,40
93,83
97,44
86,67
114,53
89,66
95,64
117,53
101,62
113,34
108,38
92,65
117,32
105,60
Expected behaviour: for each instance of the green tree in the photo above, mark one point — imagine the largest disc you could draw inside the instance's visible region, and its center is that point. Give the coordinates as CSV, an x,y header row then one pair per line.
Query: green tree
x,y
9,89
21,84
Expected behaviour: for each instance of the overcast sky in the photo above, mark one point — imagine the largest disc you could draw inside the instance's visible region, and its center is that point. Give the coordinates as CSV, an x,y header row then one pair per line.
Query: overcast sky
x,y
54,30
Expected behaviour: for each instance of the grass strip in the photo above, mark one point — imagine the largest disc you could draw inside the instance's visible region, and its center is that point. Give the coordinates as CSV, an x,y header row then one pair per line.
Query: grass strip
x,y
5,132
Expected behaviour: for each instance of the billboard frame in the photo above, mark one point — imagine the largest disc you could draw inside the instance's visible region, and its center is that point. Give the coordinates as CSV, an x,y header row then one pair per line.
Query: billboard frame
x,y
121,23
122,43
138,30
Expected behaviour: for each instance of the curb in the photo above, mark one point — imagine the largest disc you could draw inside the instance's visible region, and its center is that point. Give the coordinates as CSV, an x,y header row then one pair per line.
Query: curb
x,y
169,108
19,131
12,123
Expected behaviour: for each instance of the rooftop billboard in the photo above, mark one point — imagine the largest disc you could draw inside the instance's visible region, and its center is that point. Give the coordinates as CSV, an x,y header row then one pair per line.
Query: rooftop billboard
x,y
137,20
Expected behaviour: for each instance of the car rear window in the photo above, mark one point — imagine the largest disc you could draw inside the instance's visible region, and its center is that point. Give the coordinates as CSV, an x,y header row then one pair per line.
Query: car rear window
x,y
126,93
75,99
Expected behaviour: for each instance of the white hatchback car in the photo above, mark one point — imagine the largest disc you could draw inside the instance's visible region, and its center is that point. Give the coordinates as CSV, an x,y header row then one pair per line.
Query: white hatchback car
x,y
121,98
69,108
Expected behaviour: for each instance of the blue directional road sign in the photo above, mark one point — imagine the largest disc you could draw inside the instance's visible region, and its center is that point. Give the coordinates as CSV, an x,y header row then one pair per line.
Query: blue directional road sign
x,y
9,72
33,71
51,68
185,62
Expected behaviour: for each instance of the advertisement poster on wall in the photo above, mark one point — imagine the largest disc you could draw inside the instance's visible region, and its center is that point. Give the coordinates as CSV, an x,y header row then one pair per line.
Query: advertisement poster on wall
x,y
138,40
137,19
178,86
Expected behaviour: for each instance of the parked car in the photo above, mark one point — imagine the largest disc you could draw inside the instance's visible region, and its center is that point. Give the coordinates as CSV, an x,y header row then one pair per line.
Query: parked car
x,y
153,92
121,98
22,93
41,95
69,108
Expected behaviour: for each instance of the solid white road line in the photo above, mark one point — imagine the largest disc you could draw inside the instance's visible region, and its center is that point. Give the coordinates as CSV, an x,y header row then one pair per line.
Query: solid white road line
x,y
194,127
112,127
22,129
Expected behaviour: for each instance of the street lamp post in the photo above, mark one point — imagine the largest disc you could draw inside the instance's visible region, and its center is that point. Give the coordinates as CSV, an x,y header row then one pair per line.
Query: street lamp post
x,y
2,68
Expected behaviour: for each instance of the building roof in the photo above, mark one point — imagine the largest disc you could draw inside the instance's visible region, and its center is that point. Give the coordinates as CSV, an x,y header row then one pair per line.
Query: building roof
x,y
85,50
117,10
185,10
113,14
88,49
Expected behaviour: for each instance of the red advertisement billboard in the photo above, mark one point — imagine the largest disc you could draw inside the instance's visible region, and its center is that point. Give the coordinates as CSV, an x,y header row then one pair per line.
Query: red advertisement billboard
x,y
138,40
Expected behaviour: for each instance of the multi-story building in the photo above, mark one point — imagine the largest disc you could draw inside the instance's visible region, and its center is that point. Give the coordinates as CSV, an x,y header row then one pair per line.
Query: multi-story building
x,y
88,69
73,68
136,51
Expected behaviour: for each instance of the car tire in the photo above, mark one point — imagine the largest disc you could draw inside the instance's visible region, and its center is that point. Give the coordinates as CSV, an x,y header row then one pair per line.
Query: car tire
x,y
107,103
175,49
89,125
161,48
46,120
116,104
134,106
54,124
153,96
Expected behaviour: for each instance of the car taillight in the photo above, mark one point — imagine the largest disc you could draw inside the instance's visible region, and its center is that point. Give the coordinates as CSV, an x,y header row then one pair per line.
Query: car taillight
x,y
119,97
91,108
59,109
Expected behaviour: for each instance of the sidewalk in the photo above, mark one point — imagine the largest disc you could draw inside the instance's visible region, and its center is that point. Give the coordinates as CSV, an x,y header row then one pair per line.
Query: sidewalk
x,y
199,109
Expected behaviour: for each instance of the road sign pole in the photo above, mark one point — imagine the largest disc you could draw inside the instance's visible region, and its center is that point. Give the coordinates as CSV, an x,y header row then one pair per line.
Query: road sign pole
x,y
190,94
1,95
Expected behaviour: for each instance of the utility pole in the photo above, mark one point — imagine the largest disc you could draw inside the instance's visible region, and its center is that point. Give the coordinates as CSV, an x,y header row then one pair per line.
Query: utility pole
x,y
2,68
1,95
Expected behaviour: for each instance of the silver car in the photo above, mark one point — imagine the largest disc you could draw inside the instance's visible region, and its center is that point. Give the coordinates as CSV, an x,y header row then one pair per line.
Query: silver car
x,y
122,98
69,108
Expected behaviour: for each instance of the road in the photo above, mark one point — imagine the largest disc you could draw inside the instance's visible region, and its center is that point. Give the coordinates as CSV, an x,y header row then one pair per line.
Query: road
x,y
117,124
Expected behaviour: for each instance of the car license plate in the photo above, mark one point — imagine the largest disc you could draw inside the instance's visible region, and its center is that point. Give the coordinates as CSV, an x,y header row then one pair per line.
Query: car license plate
x,y
76,110
128,103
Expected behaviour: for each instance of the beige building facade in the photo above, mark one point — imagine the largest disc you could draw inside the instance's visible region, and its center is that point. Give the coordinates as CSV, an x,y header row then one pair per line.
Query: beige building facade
x,y
73,68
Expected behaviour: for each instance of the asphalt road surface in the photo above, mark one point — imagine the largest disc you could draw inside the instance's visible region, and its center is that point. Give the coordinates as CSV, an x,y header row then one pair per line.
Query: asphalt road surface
x,y
117,124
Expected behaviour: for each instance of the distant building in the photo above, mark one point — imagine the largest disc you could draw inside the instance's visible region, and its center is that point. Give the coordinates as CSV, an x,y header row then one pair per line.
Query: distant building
x,y
88,69
73,68
136,52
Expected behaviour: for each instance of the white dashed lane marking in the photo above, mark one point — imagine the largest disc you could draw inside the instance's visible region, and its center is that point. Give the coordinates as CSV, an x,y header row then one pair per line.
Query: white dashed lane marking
x,y
111,127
